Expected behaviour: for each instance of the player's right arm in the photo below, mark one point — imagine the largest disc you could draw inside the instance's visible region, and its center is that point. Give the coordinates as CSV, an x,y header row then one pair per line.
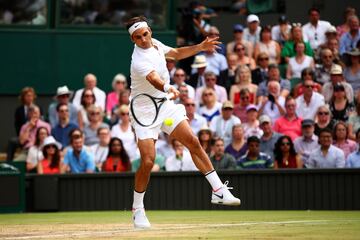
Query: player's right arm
x,y
154,78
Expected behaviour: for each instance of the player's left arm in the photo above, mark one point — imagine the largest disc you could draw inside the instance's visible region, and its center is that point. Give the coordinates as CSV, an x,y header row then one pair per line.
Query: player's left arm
x,y
183,52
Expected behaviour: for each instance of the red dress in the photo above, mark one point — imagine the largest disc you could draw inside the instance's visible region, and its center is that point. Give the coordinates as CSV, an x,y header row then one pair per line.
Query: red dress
x,y
45,163
108,166
291,163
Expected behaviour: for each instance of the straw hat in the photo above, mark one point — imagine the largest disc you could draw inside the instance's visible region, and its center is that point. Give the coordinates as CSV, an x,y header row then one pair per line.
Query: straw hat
x,y
199,61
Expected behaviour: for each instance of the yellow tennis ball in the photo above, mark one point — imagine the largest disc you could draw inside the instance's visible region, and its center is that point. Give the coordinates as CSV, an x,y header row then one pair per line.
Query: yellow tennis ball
x,y
168,121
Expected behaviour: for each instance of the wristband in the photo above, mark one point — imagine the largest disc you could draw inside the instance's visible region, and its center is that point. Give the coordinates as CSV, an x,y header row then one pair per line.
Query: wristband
x,y
166,87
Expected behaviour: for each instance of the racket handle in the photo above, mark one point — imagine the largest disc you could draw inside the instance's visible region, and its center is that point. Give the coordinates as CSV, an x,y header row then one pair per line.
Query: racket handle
x,y
170,96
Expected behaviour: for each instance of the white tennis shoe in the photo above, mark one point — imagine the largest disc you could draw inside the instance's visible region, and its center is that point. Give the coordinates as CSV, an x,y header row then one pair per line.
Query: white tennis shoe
x,y
140,219
223,196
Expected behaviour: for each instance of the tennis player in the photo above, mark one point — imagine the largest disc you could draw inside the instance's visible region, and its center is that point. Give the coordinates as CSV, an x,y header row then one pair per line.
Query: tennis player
x,y
150,75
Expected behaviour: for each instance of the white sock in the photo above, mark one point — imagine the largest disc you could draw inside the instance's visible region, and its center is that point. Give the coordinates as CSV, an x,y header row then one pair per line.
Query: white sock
x,y
138,200
214,180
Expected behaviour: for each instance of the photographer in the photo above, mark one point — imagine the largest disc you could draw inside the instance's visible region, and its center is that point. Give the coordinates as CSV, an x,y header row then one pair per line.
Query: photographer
x,y
273,104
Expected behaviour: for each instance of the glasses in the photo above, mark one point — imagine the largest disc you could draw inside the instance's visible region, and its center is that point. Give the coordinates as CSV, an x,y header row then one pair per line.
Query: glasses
x,y
95,113
245,98
63,110
263,59
116,145
339,90
208,94
308,86
190,105
227,109
88,95
50,146
290,105
124,114
239,49
210,79
285,144
323,113
327,56
179,75
64,96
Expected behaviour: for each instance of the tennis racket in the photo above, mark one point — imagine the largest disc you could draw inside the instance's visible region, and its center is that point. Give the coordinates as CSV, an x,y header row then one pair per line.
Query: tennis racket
x,y
147,116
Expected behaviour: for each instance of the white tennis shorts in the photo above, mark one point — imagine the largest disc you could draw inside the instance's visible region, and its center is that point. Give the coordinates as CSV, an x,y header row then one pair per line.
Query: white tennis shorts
x,y
168,110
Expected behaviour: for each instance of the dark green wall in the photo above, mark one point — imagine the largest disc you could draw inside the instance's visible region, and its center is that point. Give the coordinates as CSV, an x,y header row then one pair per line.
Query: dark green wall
x,y
46,59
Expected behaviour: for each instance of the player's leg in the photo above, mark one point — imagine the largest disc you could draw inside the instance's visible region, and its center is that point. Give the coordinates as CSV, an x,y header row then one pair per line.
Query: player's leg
x,y
221,194
142,177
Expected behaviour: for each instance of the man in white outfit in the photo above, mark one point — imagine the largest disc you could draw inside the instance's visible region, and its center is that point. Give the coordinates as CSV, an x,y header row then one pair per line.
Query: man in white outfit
x,y
149,75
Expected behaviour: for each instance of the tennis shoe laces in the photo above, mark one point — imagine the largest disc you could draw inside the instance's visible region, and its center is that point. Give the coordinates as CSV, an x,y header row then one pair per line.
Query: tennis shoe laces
x,y
224,197
140,219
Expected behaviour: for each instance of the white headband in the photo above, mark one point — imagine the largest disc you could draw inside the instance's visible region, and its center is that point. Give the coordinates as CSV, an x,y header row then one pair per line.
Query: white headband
x,y
136,26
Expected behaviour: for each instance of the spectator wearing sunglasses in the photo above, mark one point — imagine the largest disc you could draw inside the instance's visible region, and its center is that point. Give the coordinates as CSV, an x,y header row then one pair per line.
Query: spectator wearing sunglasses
x,y
323,119
285,154
268,46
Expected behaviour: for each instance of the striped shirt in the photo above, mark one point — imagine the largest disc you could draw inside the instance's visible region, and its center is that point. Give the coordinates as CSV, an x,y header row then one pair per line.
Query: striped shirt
x,y
262,161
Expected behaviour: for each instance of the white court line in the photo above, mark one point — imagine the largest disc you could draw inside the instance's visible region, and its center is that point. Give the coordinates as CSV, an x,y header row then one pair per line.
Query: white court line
x,y
178,227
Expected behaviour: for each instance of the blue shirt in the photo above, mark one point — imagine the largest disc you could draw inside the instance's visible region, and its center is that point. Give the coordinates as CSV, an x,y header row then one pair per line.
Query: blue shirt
x,y
262,161
61,134
82,164
53,117
334,158
347,43
353,160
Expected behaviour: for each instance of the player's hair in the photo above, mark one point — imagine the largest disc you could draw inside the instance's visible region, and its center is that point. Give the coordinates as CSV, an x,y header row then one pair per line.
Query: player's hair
x,y
133,20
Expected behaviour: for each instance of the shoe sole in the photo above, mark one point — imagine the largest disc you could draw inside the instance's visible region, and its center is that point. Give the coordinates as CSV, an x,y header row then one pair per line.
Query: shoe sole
x,y
219,202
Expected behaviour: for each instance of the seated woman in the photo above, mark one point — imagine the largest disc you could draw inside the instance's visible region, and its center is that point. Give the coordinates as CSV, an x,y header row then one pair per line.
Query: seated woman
x,y
211,107
87,99
243,81
354,123
52,157
299,62
341,140
323,119
205,136
118,84
340,106
285,154
35,152
117,159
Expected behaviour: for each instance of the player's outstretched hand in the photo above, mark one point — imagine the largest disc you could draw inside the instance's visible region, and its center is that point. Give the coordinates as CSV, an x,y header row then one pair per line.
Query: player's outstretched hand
x,y
174,91
210,44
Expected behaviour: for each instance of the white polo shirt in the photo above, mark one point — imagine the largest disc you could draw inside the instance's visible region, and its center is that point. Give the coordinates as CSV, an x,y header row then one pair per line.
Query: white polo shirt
x,y
143,62
306,111
315,35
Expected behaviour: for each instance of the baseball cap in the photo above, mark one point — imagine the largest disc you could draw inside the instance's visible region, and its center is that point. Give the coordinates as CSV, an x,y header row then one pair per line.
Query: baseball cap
x,y
251,107
264,119
282,19
238,28
227,104
336,70
252,18
307,122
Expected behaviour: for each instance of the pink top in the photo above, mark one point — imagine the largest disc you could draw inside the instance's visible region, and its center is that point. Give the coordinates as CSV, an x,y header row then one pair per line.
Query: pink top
x,y
31,140
290,128
111,100
348,147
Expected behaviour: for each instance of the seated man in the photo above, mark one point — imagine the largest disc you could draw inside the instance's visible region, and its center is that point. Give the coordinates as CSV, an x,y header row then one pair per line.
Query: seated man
x,y
220,159
327,155
62,129
269,138
353,160
77,159
101,149
255,159
195,120
63,95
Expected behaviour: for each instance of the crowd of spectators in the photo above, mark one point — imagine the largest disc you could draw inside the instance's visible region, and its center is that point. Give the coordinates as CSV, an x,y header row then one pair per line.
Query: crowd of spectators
x,y
284,96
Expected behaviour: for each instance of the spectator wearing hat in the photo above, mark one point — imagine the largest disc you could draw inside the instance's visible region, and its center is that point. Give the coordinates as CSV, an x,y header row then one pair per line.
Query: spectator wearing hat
x,y
296,36
349,40
308,103
118,84
273,75
268,46
62,129
341,139
290,123
352,69
63,95
50,164
314,31
237,148
251,127
221,160
222,125
322,70
195,120
330,34
272,104
353,160
211,82
327,155
252,32
205,137
78,159
90,82
269,137
238,30
336,76
281,31
197,79
341,109
308,141
254,158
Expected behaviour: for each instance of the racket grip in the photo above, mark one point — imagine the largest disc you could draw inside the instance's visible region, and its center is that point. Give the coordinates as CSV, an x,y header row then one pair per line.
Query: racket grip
x,y
170,96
